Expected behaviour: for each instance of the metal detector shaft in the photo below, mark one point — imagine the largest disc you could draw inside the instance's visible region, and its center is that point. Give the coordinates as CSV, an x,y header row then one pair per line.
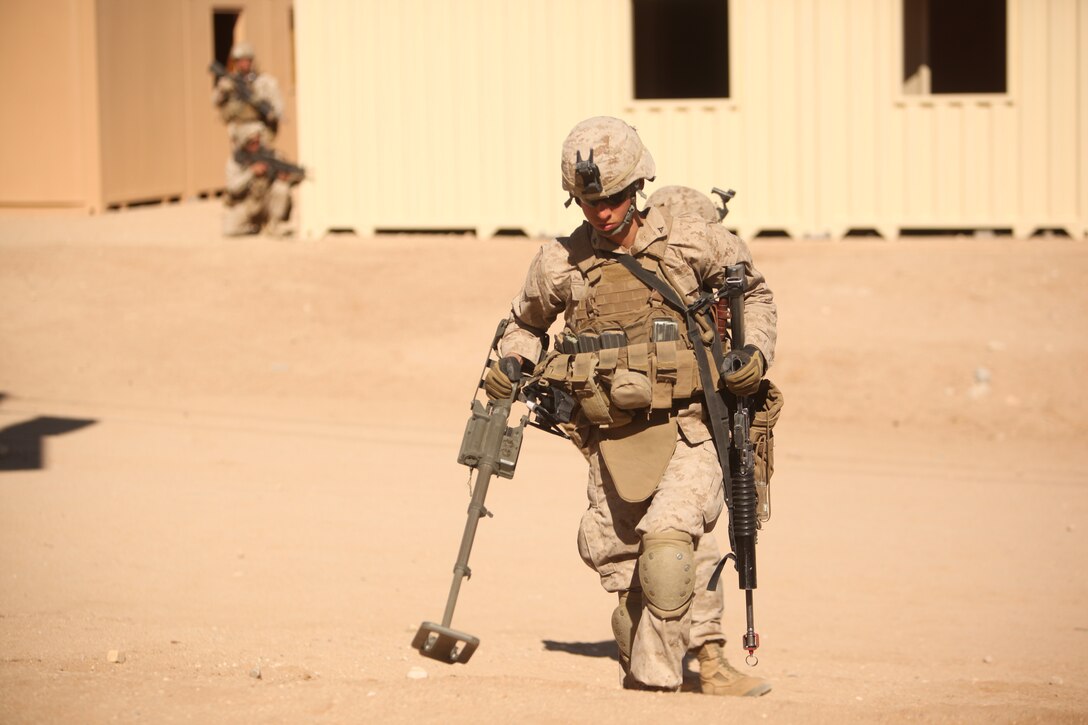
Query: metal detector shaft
x,y
490,448
493,432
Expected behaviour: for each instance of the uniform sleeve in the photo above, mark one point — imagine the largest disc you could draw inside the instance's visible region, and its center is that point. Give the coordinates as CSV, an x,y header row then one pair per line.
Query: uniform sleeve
x,y
238,178
541,300
268,89
709,260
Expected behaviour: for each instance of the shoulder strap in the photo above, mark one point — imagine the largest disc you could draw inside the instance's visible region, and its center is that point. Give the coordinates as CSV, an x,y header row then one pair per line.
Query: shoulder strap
x,y
716,410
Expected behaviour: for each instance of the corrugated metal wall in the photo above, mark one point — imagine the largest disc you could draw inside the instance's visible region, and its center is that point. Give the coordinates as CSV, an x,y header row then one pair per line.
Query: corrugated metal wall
x,y
448,113
109,100
48,128
439,114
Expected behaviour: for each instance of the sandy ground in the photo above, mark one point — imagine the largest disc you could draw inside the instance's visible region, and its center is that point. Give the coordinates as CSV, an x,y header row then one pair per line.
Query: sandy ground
x,y
230,457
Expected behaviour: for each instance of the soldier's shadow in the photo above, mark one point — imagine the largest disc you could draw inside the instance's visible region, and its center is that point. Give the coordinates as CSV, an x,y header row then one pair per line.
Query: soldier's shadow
x,y
22,445
607,648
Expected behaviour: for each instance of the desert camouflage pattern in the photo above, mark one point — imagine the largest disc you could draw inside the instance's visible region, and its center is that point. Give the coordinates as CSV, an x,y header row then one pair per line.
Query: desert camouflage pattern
x,y
685,200
242,49
235,111
244,131
689,496
617,151
706,605
698,254
254,203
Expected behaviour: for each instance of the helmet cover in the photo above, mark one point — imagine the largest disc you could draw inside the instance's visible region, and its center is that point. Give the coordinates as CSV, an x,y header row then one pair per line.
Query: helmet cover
x,y
681,199
604,155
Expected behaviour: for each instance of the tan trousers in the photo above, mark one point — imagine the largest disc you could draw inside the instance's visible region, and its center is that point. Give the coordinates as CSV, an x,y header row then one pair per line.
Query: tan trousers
x,y
689,498
260,208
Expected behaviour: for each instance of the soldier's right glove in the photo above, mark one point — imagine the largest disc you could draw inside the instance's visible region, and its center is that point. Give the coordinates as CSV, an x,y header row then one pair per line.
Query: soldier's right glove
x,y
742,370
501,377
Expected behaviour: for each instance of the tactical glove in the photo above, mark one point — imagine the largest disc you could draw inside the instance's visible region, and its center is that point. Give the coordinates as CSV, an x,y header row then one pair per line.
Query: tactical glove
x,y
501,377
742,370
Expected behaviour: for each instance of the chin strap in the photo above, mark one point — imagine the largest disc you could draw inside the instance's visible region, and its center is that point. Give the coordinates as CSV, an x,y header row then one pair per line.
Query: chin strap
x,y
627,218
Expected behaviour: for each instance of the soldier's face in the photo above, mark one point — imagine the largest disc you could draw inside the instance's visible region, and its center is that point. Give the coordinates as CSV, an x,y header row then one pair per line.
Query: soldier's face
x,y
243,65
606,215
253,144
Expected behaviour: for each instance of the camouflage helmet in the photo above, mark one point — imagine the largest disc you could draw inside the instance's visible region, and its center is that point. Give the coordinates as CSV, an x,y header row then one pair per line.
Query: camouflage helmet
x,y
681,199
603,155
242,49
242,132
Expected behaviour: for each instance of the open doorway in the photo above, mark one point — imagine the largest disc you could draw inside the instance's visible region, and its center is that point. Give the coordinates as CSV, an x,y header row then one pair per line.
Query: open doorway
x,y
225,24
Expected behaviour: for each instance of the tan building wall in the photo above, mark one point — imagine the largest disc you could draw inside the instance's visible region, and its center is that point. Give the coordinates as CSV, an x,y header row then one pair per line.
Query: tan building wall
x,y
109,100
449,114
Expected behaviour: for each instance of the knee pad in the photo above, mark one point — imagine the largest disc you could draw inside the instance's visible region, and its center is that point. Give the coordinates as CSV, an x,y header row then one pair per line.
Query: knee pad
x,y
624,622
666,568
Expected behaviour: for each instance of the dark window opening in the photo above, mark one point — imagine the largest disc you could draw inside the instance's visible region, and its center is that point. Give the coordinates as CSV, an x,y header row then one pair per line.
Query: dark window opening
x,y
223,23
955,47
681,48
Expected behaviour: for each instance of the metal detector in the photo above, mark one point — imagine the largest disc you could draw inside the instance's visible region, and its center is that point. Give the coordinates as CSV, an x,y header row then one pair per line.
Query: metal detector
x,y
490,448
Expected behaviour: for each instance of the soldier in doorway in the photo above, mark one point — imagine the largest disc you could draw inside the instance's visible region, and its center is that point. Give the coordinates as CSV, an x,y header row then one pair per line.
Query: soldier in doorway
x,y
655,481
243,94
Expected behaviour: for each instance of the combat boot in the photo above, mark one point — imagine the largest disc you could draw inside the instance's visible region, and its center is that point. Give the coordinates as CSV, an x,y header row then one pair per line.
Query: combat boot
x,y
718,677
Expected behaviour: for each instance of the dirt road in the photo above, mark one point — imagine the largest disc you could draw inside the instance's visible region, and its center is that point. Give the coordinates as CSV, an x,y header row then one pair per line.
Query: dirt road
x,y
233,462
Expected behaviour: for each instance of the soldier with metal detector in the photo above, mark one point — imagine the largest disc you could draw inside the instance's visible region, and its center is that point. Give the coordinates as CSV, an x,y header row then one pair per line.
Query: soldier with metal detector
x,y
640,357
641,383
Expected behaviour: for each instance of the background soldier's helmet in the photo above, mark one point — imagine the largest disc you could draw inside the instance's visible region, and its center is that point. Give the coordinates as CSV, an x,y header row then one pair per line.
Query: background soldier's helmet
x,y
242,49
242,132
681,199
603,155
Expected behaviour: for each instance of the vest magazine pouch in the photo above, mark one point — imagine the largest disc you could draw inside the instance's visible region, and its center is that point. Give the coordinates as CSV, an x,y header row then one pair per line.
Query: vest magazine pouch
x,y
687,375
637,454
591,397
554,367
665,373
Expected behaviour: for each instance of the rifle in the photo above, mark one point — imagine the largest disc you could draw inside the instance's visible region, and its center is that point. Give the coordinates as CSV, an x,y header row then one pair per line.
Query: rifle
x,y
743,519
735,451
276,165
490,448
245,95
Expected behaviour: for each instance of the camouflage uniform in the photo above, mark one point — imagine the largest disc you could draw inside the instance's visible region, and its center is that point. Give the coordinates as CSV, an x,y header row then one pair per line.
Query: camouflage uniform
x,y
263,88
685,200
253,203
707,605
689,496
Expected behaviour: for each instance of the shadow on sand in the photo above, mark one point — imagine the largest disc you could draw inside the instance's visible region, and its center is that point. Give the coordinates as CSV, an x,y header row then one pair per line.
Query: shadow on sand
x,y
22,444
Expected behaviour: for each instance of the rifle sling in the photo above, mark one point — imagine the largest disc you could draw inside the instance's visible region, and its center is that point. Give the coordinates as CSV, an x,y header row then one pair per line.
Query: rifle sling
x,y
716,409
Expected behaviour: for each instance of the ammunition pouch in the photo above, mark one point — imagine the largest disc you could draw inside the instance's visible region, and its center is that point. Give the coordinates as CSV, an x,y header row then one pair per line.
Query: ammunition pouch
x,y
646,377
768,406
